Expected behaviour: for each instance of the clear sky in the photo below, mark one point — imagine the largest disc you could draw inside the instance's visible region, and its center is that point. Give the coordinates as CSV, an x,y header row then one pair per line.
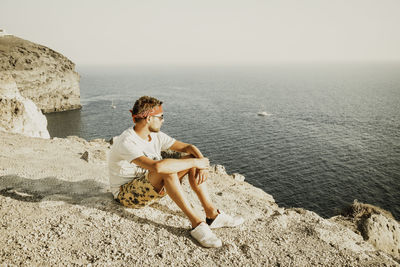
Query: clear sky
x,y
208,31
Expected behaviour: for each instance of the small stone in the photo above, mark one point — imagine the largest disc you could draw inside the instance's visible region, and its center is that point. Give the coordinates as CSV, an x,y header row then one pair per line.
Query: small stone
x,y
219,169
85,156
238,177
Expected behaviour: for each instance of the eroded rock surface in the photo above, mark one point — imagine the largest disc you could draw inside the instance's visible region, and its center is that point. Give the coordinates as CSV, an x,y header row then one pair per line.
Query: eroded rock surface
x,y
19,114
42,75
383,233
375,225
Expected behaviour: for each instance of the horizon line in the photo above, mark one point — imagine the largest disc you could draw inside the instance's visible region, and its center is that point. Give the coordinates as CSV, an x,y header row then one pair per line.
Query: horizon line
x,y
237,64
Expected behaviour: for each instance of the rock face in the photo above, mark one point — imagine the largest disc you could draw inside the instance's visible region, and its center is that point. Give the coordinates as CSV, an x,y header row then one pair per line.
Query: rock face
x,y
375,225
19,114
42,75
70,218
383,233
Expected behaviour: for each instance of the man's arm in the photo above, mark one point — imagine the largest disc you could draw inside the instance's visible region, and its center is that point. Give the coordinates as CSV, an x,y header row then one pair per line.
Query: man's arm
x,y
201,174
170,165
187,148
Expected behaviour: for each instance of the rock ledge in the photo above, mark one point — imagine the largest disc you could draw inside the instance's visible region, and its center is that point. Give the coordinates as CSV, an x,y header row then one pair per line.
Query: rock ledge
x,y
70,218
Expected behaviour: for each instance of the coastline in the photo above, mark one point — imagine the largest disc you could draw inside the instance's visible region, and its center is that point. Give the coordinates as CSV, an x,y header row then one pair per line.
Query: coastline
x,y
55,204
317,158
70,218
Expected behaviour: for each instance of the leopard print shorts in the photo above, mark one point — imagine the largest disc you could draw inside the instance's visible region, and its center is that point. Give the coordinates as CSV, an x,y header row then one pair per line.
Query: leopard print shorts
x,y
138,193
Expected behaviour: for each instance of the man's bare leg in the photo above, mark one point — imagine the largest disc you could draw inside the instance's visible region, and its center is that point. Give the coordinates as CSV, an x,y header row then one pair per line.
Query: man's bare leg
x,y
174,188
203,195
200,190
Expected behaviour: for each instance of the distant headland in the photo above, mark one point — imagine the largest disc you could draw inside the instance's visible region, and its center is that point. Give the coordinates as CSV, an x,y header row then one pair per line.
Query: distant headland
x,y
34,79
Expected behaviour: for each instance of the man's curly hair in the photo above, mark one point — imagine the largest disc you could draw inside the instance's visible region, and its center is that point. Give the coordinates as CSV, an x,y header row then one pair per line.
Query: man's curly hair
x,y
143,104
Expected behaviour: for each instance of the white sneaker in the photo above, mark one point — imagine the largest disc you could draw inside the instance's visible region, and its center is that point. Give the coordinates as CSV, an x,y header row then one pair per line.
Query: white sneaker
x,y
225,220
203,234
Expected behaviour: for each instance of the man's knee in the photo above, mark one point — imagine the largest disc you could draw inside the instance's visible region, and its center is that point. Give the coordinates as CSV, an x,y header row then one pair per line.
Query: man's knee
x,y
170,177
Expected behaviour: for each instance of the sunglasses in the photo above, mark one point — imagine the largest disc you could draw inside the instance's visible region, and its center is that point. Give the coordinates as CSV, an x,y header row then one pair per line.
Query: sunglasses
x,y
161,117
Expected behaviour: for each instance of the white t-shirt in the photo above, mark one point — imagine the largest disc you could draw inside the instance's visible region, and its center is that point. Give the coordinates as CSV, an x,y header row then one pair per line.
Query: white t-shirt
x,y
129,146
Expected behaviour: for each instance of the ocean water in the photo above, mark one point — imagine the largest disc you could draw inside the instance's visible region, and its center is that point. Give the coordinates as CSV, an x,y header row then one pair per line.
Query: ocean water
x,y
332,134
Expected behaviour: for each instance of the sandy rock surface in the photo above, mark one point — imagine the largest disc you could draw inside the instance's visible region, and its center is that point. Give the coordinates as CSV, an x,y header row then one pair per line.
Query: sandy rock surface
x,y
17,113
384,233
46,77
56,210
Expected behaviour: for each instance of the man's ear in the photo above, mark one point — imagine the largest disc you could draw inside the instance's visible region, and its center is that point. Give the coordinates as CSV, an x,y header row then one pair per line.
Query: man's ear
x,y
148,119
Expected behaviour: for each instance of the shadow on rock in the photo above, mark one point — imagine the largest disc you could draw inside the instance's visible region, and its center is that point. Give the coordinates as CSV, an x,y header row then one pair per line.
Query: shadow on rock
x,y
87,193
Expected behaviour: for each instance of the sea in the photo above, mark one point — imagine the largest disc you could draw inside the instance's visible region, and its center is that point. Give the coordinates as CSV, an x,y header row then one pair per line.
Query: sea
x,y
330,134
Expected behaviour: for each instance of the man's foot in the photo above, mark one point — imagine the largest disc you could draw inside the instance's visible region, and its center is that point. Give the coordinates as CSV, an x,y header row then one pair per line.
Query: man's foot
x,y
224,220
203,234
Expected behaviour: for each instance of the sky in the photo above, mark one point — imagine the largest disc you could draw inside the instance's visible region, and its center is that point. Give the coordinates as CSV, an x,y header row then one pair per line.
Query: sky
x,y
135,32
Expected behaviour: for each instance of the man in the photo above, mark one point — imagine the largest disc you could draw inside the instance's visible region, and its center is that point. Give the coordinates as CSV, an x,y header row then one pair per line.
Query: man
x,y
139,175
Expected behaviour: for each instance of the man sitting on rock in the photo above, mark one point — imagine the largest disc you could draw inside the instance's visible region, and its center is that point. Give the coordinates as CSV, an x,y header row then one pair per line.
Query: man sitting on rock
x,y
139,175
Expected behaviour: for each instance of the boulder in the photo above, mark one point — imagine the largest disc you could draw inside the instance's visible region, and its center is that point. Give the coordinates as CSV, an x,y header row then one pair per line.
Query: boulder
x,y
382,232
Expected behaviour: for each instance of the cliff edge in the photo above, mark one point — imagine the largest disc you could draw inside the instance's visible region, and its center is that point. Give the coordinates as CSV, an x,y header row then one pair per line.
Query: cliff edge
x,y
55,209
42,75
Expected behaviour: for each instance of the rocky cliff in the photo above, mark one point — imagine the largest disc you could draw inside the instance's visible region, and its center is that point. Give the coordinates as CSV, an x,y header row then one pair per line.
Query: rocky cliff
x,y
55,209
19,114
42,75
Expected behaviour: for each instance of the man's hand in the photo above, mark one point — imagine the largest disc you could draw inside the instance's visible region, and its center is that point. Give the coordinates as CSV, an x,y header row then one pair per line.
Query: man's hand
x,y
202,163
199,162
202,170
201,176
